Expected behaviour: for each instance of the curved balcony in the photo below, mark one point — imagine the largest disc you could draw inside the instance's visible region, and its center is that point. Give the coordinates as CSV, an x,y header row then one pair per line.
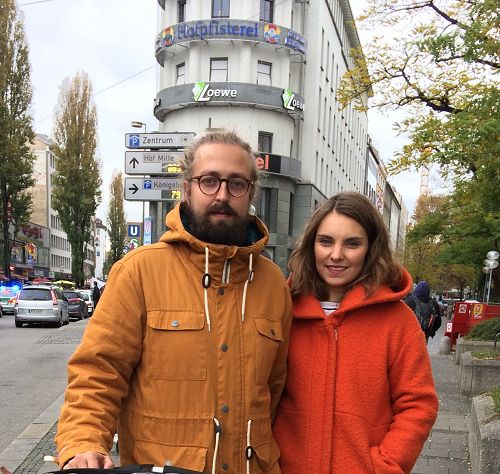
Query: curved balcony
x,y
234,94
173,38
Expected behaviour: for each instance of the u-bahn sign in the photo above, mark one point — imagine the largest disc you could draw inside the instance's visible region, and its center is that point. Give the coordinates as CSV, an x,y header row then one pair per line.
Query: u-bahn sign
x,y
157,162
153,189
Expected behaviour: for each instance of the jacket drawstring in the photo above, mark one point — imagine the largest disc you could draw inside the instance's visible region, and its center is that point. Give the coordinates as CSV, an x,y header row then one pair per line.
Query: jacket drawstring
x,y
206,281
249,280
249,450
218,432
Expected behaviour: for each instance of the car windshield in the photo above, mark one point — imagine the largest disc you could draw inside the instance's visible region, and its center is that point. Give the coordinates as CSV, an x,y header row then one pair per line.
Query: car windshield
x,y
70,294
85,296
35,294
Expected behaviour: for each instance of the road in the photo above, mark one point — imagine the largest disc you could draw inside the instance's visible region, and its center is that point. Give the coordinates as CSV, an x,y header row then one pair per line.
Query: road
x,y
32,371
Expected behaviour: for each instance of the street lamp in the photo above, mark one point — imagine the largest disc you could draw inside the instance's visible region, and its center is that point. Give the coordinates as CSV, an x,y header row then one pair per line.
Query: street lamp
x,y
490,263
139,124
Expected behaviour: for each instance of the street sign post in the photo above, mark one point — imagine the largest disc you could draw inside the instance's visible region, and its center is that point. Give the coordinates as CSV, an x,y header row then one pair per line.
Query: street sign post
x,y
153,162
153,189
158,140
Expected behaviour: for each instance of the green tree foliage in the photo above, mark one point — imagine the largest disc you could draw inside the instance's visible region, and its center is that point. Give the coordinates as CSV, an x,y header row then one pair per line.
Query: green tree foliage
x,y
439,61
76,184
16,132
117,225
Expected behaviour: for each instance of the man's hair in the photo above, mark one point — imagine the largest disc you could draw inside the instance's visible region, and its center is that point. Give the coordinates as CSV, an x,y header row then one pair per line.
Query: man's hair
x,y
380,266
218,135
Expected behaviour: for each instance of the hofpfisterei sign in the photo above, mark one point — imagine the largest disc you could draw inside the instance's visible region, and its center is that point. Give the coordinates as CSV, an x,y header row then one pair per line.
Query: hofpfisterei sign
x,y
229,29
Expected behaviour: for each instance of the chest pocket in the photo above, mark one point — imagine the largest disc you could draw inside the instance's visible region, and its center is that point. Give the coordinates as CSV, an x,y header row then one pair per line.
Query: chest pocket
x,y
179,345
268,337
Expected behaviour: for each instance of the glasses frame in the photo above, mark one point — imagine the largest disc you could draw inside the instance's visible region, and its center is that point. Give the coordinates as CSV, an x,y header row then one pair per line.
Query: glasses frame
x,y
222,180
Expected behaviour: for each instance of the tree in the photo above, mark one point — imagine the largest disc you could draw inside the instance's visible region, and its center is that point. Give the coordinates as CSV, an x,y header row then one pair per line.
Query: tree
x,y
16,132
117,225
439,61
76,183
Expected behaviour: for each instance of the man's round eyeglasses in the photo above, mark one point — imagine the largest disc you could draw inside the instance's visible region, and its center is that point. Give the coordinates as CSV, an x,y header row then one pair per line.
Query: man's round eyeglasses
x,y
210,185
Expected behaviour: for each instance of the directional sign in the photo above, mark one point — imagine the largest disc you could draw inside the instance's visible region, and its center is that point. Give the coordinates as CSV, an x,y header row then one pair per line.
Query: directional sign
x,y
158,140
153,189
153,162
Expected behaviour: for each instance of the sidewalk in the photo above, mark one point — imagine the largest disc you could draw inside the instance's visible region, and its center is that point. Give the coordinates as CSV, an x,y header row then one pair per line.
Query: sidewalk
x,y
445,452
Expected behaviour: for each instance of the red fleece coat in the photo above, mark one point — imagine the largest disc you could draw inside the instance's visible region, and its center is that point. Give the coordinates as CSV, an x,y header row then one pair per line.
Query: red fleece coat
x,y
359,396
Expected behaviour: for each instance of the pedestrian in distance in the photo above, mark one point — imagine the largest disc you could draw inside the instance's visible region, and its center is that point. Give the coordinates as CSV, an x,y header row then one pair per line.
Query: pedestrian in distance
x,y
186,352
96,294
426,309
359,396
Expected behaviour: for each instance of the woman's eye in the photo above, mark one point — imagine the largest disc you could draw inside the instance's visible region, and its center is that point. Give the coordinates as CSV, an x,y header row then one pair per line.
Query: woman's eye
x,y
353,244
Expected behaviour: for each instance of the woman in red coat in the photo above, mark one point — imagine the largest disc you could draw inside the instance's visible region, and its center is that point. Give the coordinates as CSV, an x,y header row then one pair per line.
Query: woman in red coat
x,y
359,396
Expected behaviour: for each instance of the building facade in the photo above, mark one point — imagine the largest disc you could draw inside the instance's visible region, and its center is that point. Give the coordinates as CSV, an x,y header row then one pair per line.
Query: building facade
x,y
269,70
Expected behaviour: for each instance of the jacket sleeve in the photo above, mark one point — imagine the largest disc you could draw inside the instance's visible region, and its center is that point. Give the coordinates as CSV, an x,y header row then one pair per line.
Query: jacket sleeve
x,y
278,373
100,369
415,407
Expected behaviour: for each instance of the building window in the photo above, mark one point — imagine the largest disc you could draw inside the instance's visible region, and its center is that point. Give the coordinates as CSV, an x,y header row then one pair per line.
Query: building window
x,y
290,215
266,10
180,74
268,207
265,142
220,8
181,11
218,69
264,73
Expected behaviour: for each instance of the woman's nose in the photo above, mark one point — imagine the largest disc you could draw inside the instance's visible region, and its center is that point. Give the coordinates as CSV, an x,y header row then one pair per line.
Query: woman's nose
x,y
336,253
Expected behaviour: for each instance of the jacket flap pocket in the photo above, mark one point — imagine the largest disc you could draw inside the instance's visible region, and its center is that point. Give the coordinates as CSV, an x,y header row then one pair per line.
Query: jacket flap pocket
x,y
267,454
187,457
269,328
175,320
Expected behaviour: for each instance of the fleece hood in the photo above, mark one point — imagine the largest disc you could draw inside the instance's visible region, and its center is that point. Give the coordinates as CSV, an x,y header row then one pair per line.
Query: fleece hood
x,y
308,306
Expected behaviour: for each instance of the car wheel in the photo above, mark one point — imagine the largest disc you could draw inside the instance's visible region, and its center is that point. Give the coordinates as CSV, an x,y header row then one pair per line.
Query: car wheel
x,y
19,324
80,315
60,322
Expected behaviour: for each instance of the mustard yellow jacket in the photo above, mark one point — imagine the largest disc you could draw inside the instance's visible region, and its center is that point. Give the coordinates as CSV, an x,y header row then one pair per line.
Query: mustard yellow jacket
x,y
187,350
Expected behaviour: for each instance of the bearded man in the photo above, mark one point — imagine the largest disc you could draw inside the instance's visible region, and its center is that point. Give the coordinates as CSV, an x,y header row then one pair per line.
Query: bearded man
x,y
186,353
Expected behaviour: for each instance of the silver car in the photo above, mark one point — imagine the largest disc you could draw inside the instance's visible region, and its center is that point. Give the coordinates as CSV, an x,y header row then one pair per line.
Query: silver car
x,y
41,304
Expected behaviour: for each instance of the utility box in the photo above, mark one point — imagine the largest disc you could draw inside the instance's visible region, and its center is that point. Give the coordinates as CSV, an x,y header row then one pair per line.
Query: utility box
x,y
466,315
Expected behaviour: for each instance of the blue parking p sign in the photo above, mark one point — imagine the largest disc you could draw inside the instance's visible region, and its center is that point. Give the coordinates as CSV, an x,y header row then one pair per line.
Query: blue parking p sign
x,y
133,230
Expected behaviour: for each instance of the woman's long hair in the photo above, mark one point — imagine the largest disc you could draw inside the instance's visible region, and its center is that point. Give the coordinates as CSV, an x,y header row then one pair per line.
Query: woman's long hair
x,y
380,266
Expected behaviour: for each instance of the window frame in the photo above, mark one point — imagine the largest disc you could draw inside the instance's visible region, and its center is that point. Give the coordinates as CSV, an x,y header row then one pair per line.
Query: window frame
x,y
212,60
223,4
178,67
181,7
261,74
263,10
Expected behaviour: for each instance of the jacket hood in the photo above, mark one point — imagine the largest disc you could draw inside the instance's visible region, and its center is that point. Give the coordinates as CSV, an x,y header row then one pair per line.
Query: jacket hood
x,y
257,236
309,307
422,290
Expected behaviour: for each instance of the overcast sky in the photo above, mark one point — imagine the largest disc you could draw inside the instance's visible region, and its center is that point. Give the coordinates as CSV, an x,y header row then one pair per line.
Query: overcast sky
x,y
113,41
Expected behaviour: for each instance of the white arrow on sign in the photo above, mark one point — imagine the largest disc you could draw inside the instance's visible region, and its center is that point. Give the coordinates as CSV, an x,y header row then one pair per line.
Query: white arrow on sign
x,y
153,162
153,189
158,140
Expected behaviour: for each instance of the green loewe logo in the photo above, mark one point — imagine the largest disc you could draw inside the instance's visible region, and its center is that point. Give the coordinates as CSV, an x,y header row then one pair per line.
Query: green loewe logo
x,y
290,102
203,92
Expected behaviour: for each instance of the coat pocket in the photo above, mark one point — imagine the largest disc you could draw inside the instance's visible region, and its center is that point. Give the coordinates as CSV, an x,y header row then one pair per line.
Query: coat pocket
x,y
187,457
178,344
267,454
268,337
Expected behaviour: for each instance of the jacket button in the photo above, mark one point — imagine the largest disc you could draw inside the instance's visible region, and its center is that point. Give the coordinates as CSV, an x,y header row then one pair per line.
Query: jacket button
x,y
225,466
175,323
272,332
224,347
224,408
221,291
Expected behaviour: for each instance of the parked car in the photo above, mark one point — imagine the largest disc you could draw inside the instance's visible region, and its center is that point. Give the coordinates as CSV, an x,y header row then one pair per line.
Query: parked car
x,y
41,304
87,297
76,304
8,294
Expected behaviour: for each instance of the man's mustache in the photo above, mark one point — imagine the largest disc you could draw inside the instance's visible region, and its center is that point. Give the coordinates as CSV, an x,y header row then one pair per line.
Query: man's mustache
x,y
221,208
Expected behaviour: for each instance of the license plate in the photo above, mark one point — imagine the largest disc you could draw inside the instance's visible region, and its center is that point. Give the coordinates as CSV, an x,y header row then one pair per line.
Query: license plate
x,y
36,311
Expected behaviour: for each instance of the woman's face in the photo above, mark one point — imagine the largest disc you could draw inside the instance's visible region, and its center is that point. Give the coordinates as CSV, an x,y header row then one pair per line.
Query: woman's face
x,y
340,249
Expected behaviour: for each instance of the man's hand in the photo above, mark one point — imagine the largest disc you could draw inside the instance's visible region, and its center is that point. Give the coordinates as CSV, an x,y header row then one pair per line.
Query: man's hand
x,y
90,459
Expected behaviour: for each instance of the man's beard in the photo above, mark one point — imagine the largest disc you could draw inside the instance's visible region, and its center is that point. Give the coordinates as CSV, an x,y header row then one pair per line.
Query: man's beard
x,y
220,232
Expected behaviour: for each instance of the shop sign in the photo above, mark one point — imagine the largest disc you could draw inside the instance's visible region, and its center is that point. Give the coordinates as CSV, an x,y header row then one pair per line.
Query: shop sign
x,y
290,101
203,92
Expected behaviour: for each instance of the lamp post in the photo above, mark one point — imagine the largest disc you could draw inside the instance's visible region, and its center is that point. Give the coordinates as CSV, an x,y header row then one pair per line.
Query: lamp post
x,y
139,124
490,263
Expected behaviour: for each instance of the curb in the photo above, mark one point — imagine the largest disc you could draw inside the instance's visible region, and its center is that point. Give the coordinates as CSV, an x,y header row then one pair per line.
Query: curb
x,y
16,453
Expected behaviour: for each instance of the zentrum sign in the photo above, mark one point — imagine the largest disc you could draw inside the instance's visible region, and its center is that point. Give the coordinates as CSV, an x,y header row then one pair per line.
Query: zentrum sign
x,y
203,92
